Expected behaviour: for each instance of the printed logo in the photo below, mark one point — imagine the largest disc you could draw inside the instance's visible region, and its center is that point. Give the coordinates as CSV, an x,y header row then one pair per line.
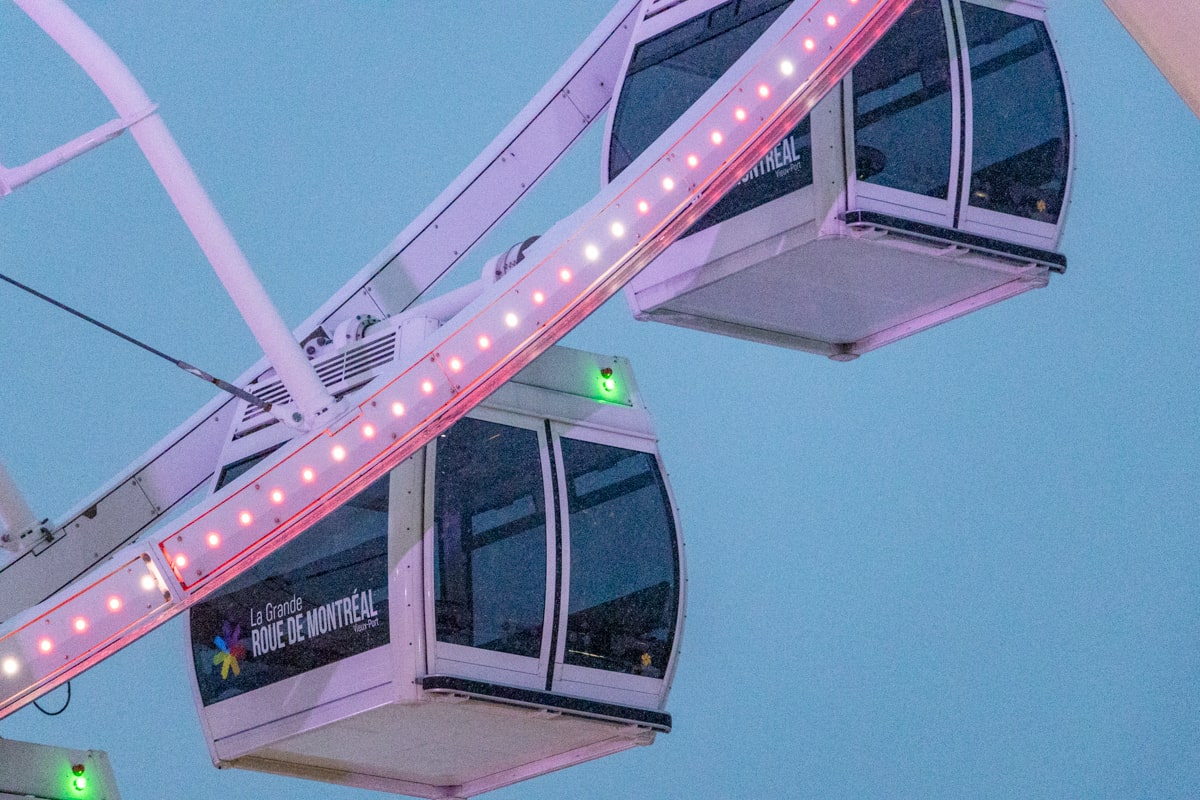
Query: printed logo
x,y
229,650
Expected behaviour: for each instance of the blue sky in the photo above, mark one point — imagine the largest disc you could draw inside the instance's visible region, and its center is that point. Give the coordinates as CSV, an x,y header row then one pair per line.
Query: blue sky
x,y
963,565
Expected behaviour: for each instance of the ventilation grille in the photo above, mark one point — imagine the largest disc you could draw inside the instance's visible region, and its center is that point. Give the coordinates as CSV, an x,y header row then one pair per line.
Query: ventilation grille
x,y
335,371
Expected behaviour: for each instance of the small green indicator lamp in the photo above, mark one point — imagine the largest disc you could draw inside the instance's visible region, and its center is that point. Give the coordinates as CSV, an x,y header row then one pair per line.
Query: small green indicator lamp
x,y
80,782
607,382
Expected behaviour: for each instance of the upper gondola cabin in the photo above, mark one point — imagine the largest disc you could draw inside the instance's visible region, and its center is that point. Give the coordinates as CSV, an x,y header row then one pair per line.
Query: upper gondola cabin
x,y
933,181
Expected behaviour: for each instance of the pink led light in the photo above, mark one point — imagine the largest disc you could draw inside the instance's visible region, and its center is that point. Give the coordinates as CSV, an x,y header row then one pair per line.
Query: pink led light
x,y
245,518
539,297
214,539
810,45
564,275
180,561
114,603
276,496
339,453
484,343
764,91
716,137
308,475
739,114
831,21
668,183
427,386
693,161
45,645
368,431
80,624
643,207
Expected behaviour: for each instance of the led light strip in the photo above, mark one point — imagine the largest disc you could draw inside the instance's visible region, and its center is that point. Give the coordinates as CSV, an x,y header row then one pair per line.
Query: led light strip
x,y
801,57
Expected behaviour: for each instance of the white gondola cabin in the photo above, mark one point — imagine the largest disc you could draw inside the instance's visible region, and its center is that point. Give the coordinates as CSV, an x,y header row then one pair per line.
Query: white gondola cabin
x,y
505,603
932,182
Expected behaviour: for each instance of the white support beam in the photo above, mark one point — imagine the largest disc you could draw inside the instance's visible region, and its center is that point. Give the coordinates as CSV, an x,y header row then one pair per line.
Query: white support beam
x,y
117,83
1169,32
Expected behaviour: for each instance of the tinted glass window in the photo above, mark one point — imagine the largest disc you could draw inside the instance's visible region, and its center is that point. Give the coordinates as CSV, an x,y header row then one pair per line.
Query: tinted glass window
x,y
624,590
489,561
902,106
1019,156
318,599
669,72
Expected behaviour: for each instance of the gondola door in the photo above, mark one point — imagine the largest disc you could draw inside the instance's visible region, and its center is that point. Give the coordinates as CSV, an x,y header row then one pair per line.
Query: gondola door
x,y
490,563
904,120
620,611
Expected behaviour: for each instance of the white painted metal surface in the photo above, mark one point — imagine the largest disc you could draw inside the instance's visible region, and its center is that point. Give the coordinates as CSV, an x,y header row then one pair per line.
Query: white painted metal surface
x,y
45,772
1168,32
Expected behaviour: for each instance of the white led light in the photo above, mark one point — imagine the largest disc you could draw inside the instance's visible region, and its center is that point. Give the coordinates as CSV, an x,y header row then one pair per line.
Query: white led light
x,y
618,230
591,252
668,183
11,666
511,319
786,67
397,411
338,453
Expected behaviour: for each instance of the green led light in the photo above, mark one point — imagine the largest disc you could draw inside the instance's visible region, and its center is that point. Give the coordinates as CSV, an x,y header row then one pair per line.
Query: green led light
x,y
607,382
79,783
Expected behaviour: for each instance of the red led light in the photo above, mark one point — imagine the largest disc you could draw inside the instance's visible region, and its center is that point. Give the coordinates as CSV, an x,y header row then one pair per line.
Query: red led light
x,y
80,624
739,114
427,386
643,207
716,137
693,161
456,364
214,539
180,561
368,431
114,603
245,518
764,91
564,275
539,297
484,343
338,452
45,645
308,475
276,496
810,45
831,20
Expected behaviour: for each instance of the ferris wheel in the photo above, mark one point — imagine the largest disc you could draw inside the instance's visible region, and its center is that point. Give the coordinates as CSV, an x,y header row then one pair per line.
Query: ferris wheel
x,y
656,226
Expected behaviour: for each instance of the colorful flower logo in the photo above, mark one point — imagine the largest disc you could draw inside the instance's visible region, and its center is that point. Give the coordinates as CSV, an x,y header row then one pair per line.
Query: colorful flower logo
x,y
229,650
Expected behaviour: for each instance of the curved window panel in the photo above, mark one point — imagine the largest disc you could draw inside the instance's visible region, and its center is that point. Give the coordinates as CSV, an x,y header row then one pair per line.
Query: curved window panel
x,y
1019,107
903,109
624,580
669,72
490,538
